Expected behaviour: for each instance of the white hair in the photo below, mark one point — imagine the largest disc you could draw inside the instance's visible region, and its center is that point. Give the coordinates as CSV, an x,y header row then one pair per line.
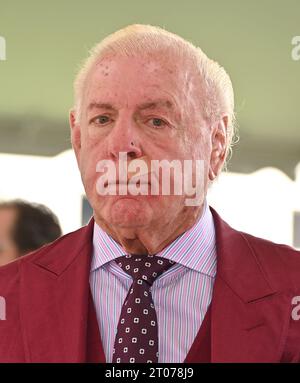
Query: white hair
x,y
140,40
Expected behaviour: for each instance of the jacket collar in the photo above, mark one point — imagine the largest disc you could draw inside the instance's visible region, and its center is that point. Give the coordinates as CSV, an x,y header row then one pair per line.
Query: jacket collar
x,y
57,313
238,265
57,258
248,315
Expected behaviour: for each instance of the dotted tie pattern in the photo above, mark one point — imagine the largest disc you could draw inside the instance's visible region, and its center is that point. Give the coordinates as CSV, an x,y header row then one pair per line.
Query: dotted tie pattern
x,y
137,334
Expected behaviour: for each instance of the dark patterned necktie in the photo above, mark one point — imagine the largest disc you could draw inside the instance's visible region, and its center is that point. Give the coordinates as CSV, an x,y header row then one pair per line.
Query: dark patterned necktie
x,y
137,333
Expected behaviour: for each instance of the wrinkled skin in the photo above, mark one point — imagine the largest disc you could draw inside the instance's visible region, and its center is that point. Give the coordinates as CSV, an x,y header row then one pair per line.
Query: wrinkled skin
x,y
116,116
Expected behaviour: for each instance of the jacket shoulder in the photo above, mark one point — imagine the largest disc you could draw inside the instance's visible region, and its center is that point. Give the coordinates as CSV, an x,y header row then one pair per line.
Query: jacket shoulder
x,y
270,248
281,262
56,255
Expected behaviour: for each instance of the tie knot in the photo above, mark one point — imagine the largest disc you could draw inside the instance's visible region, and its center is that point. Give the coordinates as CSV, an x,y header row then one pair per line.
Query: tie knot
x,y
144,267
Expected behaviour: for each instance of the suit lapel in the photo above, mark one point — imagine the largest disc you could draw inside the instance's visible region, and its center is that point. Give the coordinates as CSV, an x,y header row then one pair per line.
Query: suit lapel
x,y
247,311
57,314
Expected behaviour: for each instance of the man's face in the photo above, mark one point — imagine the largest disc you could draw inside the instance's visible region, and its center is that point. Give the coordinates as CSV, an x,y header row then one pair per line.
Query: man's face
x,y
149,109
8,249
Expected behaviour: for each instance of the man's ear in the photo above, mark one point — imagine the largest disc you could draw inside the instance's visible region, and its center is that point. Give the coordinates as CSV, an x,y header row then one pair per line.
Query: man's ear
x,y
219,147
75,134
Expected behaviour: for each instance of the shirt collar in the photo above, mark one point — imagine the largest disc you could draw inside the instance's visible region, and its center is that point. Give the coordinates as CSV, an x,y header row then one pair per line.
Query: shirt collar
x,y
195,248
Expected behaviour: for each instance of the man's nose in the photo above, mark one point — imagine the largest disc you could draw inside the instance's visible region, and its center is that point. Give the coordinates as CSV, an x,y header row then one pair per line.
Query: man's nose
x,y
124,138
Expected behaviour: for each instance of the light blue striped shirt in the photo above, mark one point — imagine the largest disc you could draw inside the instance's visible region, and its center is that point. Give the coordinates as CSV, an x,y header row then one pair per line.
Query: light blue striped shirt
x,y
181,295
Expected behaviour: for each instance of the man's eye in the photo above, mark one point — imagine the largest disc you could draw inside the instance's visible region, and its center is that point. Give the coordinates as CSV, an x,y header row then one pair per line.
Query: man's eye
x,y
101,120
157,122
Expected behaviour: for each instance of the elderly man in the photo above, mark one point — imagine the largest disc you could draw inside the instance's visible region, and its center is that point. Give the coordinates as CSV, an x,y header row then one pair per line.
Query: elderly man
x,y
152,278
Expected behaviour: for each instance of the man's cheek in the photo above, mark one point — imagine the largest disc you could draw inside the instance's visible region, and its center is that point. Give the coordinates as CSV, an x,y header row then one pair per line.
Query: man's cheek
x,y
88,173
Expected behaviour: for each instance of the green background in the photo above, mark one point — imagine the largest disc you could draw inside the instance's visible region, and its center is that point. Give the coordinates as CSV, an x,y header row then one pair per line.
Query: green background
x,y
46,42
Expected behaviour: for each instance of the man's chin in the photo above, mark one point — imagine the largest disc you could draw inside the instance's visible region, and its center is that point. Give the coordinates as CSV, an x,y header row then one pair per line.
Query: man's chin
x,y
130,213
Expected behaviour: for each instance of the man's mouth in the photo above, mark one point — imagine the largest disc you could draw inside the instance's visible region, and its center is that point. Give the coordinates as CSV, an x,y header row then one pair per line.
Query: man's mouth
x,y
138,182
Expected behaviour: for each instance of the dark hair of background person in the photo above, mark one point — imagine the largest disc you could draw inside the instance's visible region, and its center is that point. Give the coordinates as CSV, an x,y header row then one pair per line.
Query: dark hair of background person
x,y
34,227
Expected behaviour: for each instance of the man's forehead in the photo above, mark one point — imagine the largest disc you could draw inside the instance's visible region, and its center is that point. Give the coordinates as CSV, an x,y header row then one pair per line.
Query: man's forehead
x,y
148,71
169,88
160,90
152,63
141,91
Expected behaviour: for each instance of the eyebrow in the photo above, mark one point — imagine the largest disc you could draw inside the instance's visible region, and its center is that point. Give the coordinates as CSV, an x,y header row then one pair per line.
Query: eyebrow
x,y
156,103
147,105
100,105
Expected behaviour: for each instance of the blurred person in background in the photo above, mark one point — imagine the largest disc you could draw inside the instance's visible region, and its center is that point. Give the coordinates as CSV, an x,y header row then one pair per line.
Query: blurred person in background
x,y
25,227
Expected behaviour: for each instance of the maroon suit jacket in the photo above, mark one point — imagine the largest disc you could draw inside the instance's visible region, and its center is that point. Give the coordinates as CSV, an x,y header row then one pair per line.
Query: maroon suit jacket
x,y
50,316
